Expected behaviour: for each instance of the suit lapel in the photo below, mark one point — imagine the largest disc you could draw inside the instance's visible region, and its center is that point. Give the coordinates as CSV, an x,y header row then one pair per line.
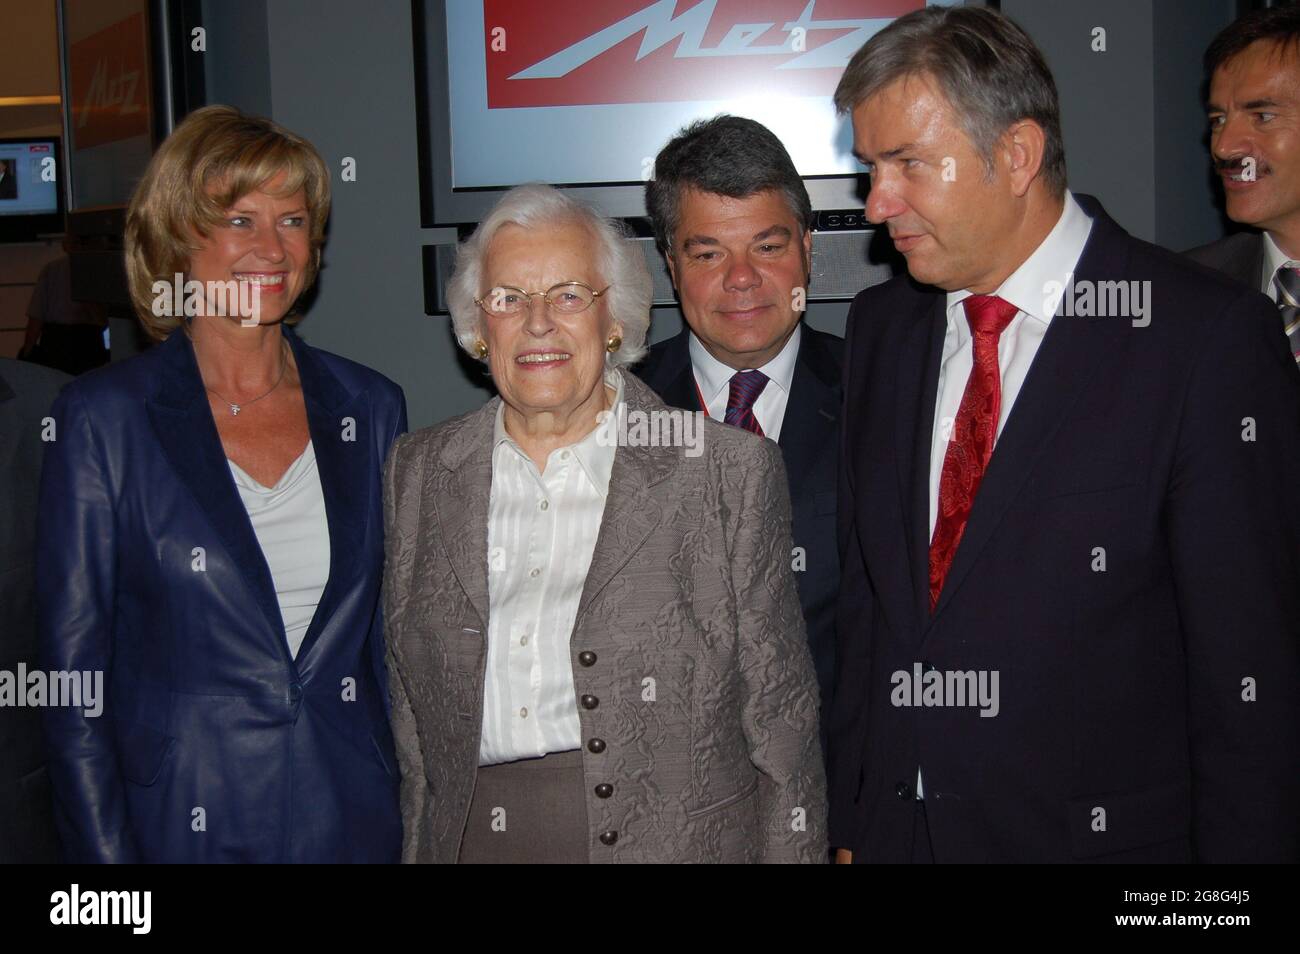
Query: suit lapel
x,y
460,495
339,422
183,425
1250,263
812,413
916,393
678,389
633,506
1061,371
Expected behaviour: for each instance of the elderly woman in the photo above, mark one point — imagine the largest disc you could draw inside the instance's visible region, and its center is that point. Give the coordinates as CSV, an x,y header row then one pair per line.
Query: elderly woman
x,y
596,651
211,537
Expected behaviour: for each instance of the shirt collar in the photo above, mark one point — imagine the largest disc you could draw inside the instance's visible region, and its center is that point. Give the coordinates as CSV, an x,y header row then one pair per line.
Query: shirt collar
x,y
1274,258
1055,260
595,456
713,375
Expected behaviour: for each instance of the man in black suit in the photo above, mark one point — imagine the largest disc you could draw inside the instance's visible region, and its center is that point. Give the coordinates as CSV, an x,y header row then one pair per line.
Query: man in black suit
x,y
8,183
1254,110
733,219
26,807
1070,595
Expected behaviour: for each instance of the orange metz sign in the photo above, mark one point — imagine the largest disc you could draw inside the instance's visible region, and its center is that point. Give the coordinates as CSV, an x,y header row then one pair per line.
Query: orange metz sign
x,y
109,77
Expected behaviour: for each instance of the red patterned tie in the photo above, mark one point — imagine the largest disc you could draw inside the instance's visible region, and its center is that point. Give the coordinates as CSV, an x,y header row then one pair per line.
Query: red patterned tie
x,y
971,444
746,386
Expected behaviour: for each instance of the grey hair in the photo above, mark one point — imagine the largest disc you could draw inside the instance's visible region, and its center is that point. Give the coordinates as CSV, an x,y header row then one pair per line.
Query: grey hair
x,y
987,67
618,260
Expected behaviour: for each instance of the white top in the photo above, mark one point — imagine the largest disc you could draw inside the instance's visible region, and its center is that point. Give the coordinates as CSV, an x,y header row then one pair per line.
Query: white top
x,y
542,530
1274,258
291,526
1027,288
714,381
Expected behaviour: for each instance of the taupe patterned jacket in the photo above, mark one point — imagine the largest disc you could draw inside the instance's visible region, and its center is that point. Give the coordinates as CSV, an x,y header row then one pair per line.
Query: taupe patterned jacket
x,y
705,715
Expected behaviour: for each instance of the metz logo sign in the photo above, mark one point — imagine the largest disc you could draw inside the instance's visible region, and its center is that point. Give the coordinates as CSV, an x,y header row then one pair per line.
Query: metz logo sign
x,y
573,52
109,82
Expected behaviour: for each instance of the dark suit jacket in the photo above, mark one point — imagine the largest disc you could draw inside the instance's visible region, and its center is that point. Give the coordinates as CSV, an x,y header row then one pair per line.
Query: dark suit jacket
x,y
1239,256
810,449
1123,734
290,759
26,821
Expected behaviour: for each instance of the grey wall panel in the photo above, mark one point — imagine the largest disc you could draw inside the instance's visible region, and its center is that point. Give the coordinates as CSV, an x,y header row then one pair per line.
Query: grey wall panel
x,y
341,75
237,67
1107,108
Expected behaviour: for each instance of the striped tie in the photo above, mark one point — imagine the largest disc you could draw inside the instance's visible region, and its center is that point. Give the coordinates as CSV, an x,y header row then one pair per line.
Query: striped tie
x,y
746,386
1288,303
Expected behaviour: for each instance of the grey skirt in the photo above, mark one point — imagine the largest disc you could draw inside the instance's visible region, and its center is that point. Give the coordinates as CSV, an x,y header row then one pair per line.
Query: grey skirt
x,y
533,811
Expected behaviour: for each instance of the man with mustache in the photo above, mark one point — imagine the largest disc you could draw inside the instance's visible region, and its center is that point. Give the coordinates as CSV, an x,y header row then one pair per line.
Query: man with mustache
x,y
1254,111
1089,513
733,219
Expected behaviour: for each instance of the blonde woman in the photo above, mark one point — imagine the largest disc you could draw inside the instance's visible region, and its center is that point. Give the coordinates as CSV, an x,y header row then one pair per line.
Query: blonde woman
x,y
211,537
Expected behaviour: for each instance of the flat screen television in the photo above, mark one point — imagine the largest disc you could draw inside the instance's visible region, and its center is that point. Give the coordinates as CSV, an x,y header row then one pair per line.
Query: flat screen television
x,y
583,95
31,199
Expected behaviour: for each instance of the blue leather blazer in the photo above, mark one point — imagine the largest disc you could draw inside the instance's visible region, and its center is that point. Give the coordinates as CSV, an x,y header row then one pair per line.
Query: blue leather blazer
x,y
214,744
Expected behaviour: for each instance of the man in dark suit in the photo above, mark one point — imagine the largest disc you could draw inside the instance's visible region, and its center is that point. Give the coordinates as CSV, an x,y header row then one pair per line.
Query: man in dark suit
x,y
733,219
26,807
8,183
1070,596
1254,110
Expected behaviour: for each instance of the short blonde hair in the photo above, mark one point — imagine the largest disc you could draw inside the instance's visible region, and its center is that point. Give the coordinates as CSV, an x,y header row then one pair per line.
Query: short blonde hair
x,y
617,259
215,147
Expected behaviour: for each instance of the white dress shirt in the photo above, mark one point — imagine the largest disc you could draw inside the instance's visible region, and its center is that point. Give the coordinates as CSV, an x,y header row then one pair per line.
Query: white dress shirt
x,y
1055,260
713,378
1274,258
292,528
542,530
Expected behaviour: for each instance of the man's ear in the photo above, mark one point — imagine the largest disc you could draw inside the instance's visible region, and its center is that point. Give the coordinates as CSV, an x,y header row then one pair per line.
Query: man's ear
x,y
672,267
807,255
1023,145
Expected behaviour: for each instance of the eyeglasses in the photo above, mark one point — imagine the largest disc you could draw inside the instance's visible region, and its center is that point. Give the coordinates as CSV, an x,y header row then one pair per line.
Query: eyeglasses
x,y
567,298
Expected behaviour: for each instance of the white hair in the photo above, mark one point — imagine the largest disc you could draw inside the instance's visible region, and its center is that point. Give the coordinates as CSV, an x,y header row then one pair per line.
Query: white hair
x,y
618,260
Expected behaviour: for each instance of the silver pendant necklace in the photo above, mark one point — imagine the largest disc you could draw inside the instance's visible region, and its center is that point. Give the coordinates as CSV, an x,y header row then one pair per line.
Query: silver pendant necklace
x,y
236,408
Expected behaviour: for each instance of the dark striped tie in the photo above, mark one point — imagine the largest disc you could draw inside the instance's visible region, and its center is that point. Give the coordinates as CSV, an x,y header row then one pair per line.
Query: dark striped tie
x,y
746,386
1287,281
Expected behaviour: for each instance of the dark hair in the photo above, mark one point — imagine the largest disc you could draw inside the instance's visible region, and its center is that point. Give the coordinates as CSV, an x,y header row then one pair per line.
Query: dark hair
x,y
725,155
1280,25
986,66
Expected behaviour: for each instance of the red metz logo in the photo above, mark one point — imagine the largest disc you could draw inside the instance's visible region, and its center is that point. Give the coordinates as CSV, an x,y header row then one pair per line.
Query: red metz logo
x,y
574,52
39,147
